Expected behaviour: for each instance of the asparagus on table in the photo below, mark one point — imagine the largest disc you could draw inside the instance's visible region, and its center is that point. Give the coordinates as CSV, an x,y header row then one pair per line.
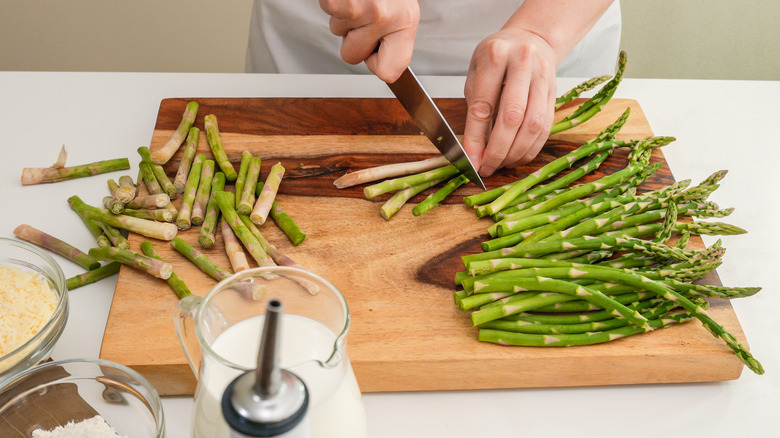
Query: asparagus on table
x,y
394,204
202,194
214,139
174,281
435,198
41,175
246,197
154,230
233,248
92,276
266,197
284,221
190,149
406,182
246,160
162,155
209,227
188,197
149,265
389,171
38,237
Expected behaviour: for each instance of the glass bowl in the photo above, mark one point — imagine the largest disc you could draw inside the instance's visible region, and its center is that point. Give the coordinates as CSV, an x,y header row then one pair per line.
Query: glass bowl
x,y
25,257
56,393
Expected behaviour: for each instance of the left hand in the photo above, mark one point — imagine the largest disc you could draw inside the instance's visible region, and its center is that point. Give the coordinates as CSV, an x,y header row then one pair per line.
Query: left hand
x,y
510,92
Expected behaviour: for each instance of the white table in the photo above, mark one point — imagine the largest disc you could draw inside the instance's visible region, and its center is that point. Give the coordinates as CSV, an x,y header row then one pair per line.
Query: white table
x,y
718,124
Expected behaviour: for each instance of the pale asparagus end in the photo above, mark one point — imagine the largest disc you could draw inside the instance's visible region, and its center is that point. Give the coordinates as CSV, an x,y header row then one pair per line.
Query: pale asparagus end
x,y
233,248
389,171
162,155
61,158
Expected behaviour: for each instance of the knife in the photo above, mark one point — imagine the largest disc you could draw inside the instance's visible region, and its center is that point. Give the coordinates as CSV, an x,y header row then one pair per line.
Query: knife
x,y
429,119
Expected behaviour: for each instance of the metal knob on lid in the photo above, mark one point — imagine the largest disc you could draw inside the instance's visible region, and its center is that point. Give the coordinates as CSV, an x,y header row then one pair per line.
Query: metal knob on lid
x,y
268,401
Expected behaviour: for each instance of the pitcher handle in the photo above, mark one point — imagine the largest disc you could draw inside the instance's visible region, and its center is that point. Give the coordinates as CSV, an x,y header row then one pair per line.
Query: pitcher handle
x,y
185,312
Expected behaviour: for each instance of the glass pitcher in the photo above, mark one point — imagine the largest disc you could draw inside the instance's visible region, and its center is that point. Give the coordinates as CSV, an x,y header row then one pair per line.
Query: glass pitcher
x,y
220,336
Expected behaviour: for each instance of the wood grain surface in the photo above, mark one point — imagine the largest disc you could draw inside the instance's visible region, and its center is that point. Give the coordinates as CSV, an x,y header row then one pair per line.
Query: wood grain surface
x,y
398,275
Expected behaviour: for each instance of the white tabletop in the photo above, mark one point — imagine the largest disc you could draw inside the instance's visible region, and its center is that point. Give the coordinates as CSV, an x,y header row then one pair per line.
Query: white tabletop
x,y
718,124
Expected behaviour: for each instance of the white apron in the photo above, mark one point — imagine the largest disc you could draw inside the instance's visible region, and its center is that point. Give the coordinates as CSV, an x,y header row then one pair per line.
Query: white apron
x,y
293,36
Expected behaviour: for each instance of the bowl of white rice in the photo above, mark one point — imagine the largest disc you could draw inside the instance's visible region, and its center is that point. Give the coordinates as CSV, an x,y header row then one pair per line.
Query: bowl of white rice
x,y
80,398
33,306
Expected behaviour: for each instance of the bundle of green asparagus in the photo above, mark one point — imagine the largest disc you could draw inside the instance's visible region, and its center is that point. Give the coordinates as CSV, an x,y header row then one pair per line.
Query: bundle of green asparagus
x,y
410,179
578,264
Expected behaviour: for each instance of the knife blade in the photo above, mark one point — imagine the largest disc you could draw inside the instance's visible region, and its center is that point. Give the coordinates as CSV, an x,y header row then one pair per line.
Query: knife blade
x,y
410,92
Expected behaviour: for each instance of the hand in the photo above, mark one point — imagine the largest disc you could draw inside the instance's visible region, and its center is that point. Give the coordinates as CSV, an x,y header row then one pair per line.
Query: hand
x,y
363,24
510,93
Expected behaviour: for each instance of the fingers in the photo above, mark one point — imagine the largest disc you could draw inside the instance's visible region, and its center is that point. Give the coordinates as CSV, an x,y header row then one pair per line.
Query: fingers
x,y
482,91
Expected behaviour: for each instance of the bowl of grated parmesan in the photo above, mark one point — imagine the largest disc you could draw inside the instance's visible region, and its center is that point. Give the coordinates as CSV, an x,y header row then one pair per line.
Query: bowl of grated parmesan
x,y
33,305
91,398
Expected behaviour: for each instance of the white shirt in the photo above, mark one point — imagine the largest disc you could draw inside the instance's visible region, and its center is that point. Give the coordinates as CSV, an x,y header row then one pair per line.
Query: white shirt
x,y
293,36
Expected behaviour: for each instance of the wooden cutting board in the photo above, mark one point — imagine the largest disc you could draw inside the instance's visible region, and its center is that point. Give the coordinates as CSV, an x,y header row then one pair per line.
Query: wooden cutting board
x,y
397,275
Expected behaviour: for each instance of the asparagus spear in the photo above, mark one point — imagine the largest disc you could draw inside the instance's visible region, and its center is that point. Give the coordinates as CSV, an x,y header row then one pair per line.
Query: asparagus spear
x,y
406,182
126,190
41,175
209,226
246,197
113,188
114,236
246,159
159,173
190,149
225,203
215,143
154,230
113,205
201,201
92,276
162,155
147,174
579,89
153,214
149,201
389,171
233,248
143,263
266,197
435,198
284,220
276,255
394,204
47,241
177,284
188,197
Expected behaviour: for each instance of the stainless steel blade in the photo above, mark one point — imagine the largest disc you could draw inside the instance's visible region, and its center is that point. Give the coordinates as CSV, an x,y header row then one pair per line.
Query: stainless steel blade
x,y
429,119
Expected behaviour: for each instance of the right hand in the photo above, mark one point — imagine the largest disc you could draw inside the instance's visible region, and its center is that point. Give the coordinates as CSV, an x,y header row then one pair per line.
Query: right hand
x,y
364,24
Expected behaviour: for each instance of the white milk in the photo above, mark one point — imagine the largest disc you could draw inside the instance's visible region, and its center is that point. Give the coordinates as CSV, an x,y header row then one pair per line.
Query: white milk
x,y
335,406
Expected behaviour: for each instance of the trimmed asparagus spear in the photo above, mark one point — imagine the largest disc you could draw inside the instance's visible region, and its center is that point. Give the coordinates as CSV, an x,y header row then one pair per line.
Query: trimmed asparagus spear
x,y
188,197
215,143
389,171
162,155
246,159
113,205
159,173
394,204
177,284
154,230
233,248
209,226
284,221
435,198
202,194
42,175
153,214
149,201
246,197
266,198
149,265
126,190
225,203
579,89
147,174
405,182
38,237
92,276
190,149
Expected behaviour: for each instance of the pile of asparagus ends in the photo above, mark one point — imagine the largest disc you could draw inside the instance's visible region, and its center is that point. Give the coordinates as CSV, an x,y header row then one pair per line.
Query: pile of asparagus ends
x,y
410,179
145,206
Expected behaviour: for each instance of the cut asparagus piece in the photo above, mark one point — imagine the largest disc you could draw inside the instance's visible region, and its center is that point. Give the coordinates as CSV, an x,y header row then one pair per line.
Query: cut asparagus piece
x,y
246,197
283,220
47,241
276,255
149,201
390,171
154,230
214,139
92,276
233,248
435,198
162,155
152,214
406,182
42,175
190,149
149,265
394,204
126,190
114,237
174,281
265,200
159,173
209,227
225,203
113,205
201,201
188,197
246,160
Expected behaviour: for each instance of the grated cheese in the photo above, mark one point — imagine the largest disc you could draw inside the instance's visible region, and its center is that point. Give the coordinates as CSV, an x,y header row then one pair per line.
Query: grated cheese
x,y
95,427
26,305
